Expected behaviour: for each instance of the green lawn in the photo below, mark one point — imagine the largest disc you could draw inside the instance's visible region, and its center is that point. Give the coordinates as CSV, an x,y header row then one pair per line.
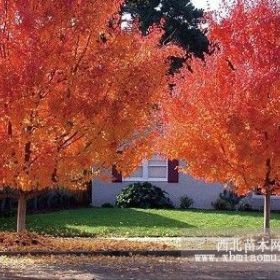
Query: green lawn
x,y
140,222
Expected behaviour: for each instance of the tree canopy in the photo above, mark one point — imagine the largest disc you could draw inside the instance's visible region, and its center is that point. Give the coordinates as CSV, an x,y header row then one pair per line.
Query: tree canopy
x,y
224,119
73,90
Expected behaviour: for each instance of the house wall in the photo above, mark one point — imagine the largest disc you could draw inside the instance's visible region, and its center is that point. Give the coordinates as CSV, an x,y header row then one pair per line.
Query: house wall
x,y
257,202
203,194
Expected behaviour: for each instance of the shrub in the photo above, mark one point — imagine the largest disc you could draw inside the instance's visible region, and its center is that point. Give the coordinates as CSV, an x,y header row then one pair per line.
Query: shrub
x,y
185,202
107,205
143,195
227,200
55,199
244,205
7,204
221,204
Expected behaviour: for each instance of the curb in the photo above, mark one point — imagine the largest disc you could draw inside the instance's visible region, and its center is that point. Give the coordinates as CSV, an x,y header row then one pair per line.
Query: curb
x,y
127,253
112,253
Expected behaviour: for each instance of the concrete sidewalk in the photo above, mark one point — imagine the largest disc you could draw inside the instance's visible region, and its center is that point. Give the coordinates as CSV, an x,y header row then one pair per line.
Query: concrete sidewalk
x,y
180,243
170,239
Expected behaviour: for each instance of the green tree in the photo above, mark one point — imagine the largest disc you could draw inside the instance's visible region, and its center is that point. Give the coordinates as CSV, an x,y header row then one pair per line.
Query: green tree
x,y
181,24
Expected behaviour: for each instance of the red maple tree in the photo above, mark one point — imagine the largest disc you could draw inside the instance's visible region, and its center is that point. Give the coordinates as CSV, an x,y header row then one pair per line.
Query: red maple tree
x,y
223,118
74,88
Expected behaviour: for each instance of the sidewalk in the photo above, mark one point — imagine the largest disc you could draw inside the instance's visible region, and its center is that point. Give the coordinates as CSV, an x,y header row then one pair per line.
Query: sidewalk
x,y
181,243
170,239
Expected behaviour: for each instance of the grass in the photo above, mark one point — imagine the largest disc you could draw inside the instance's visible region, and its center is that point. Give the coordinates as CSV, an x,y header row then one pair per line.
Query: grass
x,y
143,222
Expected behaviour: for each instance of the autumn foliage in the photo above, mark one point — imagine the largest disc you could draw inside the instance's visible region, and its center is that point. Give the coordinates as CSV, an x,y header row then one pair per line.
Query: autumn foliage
x,y
73,90
223,118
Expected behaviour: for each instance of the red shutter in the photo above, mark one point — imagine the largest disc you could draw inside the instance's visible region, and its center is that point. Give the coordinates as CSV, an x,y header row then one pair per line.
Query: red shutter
x,y
173,175
117,176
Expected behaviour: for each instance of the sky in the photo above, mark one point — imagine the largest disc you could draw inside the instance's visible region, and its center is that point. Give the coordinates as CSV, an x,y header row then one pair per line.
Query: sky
x,y
214,4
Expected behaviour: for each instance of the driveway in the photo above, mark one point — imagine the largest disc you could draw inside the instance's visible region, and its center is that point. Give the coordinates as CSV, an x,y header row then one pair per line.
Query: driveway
x,y
146,268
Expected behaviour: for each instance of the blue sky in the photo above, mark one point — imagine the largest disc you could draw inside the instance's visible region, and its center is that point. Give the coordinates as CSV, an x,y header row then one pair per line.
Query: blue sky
x,y
214,4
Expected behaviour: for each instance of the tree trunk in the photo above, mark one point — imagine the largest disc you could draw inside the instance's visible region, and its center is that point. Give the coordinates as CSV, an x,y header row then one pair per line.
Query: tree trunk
x,y
266,213
21,213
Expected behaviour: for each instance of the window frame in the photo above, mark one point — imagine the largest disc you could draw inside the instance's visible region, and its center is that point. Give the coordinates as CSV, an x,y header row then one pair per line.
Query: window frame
x,y
145,178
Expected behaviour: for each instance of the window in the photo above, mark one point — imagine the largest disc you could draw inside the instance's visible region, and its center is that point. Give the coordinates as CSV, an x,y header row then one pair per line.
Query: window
x,y
155,169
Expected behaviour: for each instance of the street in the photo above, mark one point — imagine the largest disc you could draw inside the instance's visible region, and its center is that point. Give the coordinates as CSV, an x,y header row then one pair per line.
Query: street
x,y
107,268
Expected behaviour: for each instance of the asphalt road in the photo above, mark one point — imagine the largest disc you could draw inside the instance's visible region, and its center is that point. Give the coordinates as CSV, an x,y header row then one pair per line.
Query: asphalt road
x,y
146,268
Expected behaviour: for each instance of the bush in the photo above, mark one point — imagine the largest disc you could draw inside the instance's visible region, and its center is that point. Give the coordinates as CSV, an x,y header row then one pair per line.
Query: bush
x,y
7,204
107,205
54,199
143,195
227,200
185,202
243,205
221,204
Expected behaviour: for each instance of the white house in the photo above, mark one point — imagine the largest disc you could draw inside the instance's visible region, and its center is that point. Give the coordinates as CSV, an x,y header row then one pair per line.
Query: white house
x,y
163,173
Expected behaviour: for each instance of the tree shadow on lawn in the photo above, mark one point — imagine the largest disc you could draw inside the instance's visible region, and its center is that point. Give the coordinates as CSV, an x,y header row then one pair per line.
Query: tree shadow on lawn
x,y
102,221
129,222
